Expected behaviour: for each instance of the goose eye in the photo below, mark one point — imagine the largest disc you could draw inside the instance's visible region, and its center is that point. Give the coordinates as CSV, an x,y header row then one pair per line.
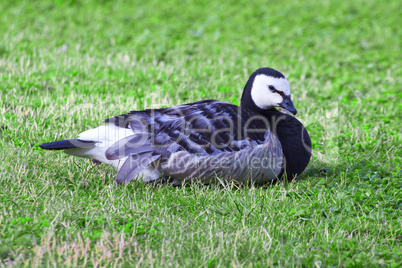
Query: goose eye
x,y
273,89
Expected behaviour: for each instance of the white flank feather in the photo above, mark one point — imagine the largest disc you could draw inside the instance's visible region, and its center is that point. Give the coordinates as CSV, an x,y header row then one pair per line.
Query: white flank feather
x,y
105,136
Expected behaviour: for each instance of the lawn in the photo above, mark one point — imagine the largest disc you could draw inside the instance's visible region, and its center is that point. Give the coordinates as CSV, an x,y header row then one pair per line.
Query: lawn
x,y
65,66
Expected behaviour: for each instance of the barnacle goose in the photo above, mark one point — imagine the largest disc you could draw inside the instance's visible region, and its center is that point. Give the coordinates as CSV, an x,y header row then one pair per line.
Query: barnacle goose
x,y
205,139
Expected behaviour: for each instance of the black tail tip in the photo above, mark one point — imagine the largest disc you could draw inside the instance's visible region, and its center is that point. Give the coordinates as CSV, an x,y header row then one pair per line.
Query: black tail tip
x,y
66,144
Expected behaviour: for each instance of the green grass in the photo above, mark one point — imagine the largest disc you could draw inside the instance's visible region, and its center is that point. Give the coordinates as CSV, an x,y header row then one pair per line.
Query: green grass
x,y
67,65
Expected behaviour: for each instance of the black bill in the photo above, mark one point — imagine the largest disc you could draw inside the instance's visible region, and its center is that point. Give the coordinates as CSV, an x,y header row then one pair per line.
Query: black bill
x,y
288,105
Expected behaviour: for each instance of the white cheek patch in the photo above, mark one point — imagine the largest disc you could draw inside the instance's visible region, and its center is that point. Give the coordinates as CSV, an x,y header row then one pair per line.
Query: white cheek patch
x,y
282,84
262,96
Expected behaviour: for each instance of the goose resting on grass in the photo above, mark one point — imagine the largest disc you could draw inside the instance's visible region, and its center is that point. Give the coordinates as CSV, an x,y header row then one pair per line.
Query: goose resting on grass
x,y
203,140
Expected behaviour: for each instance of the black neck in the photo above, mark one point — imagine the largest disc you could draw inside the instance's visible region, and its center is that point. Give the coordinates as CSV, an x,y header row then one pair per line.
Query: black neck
x,y
294,139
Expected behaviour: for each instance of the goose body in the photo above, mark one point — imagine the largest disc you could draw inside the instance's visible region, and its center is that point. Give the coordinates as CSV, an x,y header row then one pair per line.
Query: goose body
x,y
204,139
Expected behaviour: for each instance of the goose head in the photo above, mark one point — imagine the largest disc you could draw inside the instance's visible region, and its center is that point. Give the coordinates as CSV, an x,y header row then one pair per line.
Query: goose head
x,y
265,89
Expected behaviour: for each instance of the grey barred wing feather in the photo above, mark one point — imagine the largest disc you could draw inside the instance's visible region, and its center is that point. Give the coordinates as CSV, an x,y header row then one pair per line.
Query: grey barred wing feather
x,y
137,151
260,163
144,125
202,140
134,165
219,139
211,128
